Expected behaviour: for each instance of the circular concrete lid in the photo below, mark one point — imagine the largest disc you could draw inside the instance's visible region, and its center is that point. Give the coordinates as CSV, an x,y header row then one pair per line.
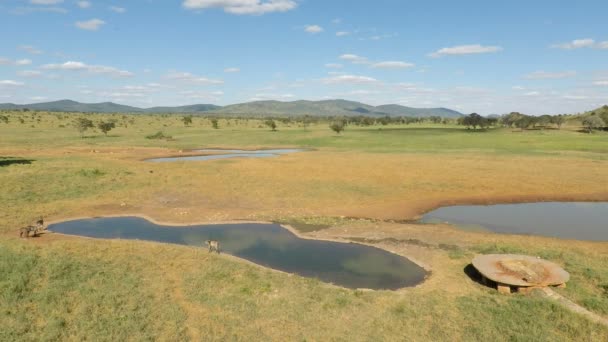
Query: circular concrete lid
x,y
520,270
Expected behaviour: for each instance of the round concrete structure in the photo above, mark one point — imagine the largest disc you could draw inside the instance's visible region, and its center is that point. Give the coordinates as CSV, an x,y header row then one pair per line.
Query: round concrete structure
x,y
519,271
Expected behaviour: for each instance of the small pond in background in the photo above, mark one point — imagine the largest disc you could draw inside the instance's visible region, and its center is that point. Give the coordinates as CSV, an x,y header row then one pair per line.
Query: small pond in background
x,y
346,264
567,220
225,154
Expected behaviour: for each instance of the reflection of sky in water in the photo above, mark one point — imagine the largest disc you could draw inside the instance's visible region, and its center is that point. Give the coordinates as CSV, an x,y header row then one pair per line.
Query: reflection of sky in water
x,y
349,265
571,220
225,154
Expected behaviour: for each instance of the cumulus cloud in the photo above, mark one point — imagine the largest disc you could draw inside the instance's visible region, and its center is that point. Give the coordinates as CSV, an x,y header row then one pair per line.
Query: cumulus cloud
x,y
188,77
93,69
354,59
465,50
602,45
314,29
350,79
10,83
342,33
90,25
30,49
83,4
23,62
543,75
117,9
575,44
29,73
45,2
392,65
20,62
241,7
601,83
232,70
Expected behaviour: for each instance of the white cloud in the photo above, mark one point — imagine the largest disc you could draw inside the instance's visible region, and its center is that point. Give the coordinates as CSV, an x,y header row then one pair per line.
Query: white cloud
x,y
350,79
518,88
30,49
240,7
354,59
94,69
333,65
575,97
337,21
188,77
314,29
392,65
602,45
23,62
29,73
465,50
90,25
575,44
83,4
118,9
232,70
601,83
543,75
31,9
10,83
46,2
532,93
342,33
20,62
277,97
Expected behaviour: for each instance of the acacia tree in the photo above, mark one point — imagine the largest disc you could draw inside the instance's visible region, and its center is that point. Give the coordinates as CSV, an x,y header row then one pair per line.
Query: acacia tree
x,y
4,118
105,127
558,120
337,126
82,124
215,124
187,120
593,122
270,123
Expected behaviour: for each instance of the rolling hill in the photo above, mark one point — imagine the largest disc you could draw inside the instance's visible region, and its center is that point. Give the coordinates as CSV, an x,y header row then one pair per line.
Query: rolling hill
x,y
258,108
330,108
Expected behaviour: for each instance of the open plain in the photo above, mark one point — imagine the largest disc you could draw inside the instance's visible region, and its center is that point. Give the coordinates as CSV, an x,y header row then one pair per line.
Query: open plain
x,y
366,185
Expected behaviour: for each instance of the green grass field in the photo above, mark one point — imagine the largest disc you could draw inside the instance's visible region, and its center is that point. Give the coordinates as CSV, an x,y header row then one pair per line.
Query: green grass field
x,y
65,288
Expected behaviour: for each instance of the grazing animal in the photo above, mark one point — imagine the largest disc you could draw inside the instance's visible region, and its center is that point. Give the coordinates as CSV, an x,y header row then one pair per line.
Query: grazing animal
x,y
25,231
40,223
213,246
36,227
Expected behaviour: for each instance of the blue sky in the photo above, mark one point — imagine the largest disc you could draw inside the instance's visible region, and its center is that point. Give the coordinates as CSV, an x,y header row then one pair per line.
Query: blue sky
x,y
473,56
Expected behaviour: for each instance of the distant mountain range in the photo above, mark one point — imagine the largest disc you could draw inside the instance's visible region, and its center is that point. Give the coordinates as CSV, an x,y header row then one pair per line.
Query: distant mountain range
x,y
258,108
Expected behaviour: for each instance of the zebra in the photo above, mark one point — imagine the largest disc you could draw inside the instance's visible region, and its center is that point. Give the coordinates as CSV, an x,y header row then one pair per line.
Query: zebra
x,y
213,246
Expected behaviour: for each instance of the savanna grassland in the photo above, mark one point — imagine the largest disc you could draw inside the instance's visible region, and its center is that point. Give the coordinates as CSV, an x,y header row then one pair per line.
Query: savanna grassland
x,y
364,185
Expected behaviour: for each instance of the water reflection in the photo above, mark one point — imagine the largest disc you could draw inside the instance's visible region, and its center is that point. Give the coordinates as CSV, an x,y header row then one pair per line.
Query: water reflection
x,y
270,245
569,220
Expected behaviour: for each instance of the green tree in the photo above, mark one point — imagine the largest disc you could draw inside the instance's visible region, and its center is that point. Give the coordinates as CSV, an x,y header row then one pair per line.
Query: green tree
x,y
337,126
215,124
4,118
474,120
271,124
593,122
105,127
82,124
187,120
558,120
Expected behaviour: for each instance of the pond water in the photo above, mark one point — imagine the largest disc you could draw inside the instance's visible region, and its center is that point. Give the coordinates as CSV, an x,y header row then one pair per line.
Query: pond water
x,y
568,220
225,154
346,264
